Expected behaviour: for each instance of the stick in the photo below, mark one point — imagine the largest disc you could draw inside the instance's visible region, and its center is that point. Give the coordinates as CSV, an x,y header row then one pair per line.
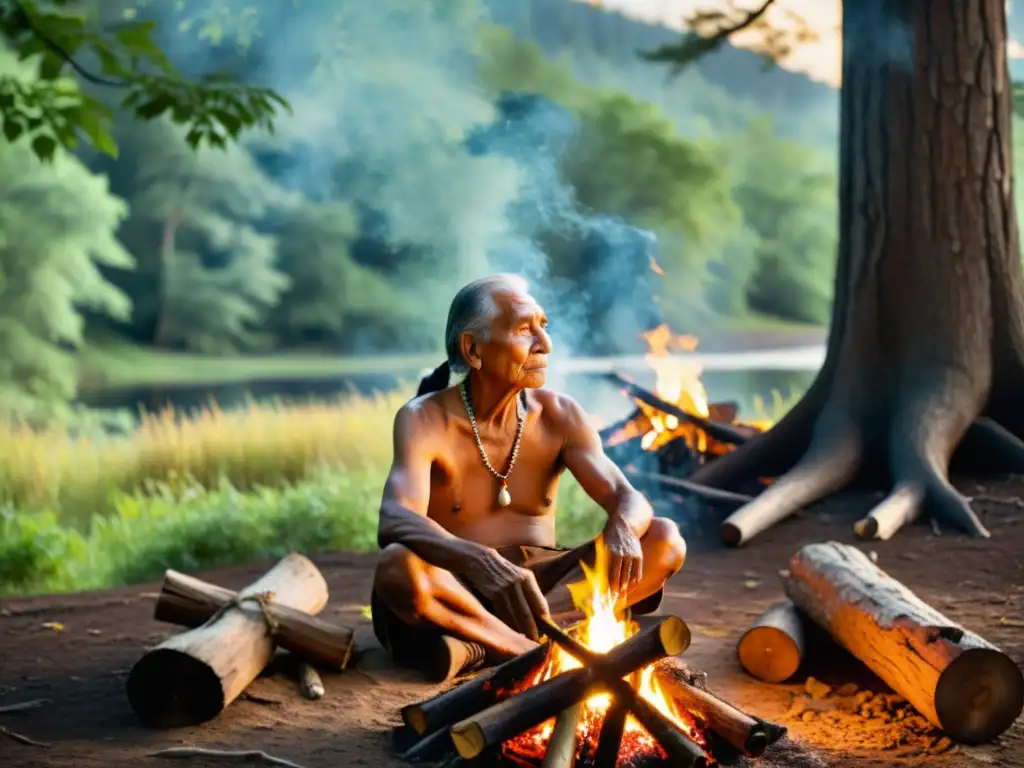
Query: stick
x,y
467,699
250,756
23,739
721,432
561,750
609,741
773,648
682,751
954,678
23,706
538,703
310,683
710,495
741,730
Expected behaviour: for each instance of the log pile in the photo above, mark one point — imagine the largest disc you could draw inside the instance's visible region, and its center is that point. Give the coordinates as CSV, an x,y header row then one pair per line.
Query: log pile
x,y
191,677
956,680
483,718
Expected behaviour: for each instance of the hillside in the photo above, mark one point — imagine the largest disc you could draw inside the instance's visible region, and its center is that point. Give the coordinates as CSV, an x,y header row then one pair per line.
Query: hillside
x,y
602,47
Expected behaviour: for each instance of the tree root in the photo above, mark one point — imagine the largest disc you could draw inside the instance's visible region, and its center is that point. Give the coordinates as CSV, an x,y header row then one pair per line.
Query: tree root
x,y
250,756
1001,448
829,464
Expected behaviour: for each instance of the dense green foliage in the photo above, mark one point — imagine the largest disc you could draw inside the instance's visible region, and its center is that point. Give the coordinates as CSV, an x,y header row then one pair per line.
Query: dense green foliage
x,y
347,229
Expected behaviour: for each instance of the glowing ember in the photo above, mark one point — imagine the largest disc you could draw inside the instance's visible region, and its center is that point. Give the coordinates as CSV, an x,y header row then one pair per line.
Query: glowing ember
x,y
602,630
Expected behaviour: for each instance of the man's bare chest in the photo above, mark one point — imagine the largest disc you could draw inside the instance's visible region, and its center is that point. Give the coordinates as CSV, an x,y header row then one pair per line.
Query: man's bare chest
x,y
461,482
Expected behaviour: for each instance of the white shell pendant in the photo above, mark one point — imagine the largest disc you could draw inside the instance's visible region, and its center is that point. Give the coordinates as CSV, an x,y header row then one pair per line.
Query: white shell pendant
x,y
504,497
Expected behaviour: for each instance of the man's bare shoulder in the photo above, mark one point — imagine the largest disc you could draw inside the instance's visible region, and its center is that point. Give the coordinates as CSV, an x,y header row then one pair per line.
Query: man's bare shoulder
x,y
429,412
559,410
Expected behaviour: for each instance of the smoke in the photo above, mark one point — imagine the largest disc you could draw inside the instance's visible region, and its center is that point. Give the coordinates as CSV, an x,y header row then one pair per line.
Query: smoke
x,y
389,114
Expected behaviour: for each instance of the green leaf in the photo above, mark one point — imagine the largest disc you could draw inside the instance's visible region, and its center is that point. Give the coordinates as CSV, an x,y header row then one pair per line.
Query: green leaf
x,y
155,106
44,146
232,124
50,67
94,128
13,127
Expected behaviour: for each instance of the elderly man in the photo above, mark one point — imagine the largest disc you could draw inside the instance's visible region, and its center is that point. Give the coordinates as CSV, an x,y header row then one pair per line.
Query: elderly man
x,y
467,522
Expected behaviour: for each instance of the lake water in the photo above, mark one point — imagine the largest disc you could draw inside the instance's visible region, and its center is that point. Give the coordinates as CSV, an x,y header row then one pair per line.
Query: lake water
x,y
737,377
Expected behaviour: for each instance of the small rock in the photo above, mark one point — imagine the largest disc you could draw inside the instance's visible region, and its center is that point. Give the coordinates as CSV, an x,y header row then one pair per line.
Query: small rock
x,y
94,632
941,744
807,716
847,689
864,697
817,689
873,556
752,583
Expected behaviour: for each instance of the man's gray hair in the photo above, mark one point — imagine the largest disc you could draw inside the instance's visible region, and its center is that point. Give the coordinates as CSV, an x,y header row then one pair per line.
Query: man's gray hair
x,y
472,311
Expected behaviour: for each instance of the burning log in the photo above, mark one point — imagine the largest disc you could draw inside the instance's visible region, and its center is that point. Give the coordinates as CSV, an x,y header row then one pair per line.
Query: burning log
x,y
191,677
721,432
954,678
541,702
471,697
680,749
609,742
561,750
743,732
773,648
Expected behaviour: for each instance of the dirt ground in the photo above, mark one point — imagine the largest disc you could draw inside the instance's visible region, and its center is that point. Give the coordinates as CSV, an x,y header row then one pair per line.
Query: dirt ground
x,y
81,669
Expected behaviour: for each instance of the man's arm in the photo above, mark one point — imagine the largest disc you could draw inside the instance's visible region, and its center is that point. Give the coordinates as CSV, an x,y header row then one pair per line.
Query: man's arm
x,y
598,475
403,509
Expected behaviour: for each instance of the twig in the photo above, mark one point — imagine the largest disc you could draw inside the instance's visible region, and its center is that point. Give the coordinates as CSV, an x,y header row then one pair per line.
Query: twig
x,y
23,739
250,756
711,495
310,684
23,706
62,54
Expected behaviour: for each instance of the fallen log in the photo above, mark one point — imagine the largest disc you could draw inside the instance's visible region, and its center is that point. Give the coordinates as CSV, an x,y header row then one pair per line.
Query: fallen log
x,y
191,677
541,702
773,648
721,432
190,602
739,729
954,678
712,496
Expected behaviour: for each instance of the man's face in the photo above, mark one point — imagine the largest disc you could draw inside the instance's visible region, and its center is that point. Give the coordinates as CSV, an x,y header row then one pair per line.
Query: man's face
x,y
518,348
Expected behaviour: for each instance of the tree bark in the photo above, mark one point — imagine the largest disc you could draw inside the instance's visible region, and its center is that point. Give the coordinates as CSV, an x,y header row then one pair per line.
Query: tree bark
x,y
161,336
927,332
957,680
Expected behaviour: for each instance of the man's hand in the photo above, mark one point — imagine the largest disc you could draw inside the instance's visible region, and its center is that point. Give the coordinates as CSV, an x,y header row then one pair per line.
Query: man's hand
x,y
625,556
513,591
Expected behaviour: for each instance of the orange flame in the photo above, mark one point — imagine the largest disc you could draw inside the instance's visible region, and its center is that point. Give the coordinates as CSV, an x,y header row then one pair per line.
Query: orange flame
x,y
602,630
678,382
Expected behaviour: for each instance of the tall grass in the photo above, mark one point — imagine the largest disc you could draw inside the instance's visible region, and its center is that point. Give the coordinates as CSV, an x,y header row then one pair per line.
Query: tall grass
x,y
200,490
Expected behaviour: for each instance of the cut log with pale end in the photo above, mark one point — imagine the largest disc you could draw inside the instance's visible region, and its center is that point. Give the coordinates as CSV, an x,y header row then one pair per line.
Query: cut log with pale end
x,y
773,648
190,602
958,681
191,677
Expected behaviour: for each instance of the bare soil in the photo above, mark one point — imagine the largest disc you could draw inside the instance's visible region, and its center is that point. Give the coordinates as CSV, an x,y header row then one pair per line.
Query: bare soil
x,y
76,650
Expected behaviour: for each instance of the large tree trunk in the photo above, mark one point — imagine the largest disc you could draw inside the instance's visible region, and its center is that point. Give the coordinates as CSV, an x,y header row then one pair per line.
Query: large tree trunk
x,y
927,332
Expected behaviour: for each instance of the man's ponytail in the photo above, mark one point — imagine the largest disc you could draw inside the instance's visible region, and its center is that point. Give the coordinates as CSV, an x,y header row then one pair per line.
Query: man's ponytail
x,y
435,381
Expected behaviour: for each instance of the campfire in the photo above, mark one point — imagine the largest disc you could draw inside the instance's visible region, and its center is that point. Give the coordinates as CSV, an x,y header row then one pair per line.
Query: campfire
x,y
679,408
602,630
604,693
